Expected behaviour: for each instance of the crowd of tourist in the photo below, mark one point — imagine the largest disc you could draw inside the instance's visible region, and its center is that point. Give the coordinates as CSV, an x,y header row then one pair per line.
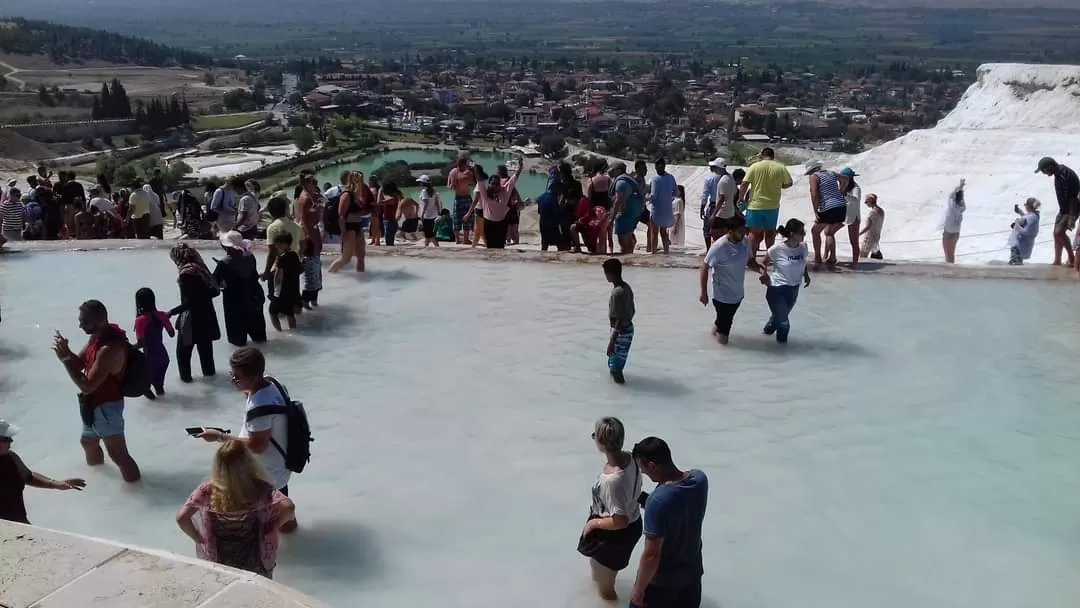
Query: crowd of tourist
x,y
235,517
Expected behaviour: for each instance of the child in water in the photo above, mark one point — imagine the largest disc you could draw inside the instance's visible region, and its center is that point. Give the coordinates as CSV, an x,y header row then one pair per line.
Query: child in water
x,y
285,296
311,264
621,316
149,324
444,227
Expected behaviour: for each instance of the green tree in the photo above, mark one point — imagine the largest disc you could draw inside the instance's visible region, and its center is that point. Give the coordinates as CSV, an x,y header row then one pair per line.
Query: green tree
x,y
176,172
708,147
303,138
553,145
44,97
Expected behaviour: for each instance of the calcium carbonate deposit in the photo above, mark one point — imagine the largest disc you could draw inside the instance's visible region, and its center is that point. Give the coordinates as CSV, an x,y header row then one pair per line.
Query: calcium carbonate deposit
x,y
1012,116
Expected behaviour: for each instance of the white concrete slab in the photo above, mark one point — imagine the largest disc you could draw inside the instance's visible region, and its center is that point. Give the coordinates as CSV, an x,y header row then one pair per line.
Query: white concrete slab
x,y
139,580
37,562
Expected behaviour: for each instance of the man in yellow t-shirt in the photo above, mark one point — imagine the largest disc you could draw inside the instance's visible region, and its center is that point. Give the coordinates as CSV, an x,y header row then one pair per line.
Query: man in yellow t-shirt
x,y
139,211
766,180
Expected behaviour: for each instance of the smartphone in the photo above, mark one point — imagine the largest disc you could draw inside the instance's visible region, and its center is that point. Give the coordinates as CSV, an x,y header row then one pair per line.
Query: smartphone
x,y
642,499
196,430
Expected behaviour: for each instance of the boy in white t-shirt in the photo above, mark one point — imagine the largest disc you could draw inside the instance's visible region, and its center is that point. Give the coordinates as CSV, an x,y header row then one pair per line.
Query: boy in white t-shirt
x,y
266,436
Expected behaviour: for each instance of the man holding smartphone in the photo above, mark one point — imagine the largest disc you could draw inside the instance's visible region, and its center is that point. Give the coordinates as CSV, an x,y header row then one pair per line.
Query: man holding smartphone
x,y
265,436
670,571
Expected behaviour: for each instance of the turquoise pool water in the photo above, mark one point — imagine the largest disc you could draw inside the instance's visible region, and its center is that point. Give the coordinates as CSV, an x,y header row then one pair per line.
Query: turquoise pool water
x,y
530,186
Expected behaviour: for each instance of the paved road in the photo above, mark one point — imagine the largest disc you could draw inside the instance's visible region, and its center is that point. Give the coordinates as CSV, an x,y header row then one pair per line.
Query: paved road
x,y
13,70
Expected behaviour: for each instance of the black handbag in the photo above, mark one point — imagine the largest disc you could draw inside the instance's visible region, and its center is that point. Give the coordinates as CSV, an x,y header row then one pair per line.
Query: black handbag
x,y
590,545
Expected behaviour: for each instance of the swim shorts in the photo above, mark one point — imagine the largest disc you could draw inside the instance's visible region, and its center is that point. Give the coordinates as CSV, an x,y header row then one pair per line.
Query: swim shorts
x,y
461,208
762,219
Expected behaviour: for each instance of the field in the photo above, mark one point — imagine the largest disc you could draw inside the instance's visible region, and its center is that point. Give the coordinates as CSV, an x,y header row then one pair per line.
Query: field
x,y
79,81
226,121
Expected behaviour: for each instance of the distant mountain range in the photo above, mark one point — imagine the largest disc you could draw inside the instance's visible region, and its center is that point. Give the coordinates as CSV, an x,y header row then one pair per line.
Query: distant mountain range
x,y
64,43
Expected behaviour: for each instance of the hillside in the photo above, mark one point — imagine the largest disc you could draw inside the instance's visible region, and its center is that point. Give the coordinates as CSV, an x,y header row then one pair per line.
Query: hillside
x,y
64,43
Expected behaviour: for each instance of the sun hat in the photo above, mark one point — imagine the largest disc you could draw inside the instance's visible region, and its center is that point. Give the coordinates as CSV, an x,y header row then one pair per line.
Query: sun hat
x,y
234,240
11,182
424,179
848,172
8,431
814,165
718,162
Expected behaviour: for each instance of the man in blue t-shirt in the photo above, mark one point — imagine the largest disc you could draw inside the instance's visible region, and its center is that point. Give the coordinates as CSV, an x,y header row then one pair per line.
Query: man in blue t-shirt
x,y
670,570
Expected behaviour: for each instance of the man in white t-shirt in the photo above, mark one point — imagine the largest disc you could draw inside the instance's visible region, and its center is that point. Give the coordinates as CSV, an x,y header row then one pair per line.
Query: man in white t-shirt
x,y
266,436
157,220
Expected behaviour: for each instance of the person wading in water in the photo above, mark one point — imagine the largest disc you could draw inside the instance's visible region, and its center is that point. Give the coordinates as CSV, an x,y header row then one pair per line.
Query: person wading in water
x,y
98,372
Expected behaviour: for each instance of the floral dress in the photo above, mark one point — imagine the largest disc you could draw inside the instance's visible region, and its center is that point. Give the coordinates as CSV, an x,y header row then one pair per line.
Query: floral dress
x,y
247,540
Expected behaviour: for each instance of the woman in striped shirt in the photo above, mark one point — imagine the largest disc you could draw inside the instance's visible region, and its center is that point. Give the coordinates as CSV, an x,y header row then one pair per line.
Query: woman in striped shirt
x,y
12,216
830,208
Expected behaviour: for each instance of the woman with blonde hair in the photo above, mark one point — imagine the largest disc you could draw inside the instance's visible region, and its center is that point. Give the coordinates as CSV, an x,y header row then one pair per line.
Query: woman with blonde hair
x,y
614,524
238,511
1024,230
352,209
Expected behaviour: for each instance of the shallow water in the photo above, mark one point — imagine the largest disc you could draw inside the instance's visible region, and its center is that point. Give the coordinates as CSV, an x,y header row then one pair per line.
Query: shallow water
x,y
914,445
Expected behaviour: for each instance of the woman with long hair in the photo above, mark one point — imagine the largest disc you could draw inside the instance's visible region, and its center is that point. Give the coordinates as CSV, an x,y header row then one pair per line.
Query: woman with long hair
x,y
238,511
786,263
513,214
678,232
352,209
614,525
494,197
374,194
197,325
599,193
951,222
1024,230
481,178
853,196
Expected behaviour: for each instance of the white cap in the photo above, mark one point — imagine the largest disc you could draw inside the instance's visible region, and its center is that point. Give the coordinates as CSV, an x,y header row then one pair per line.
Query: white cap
x,y
8,431
813,165
424,179
718,162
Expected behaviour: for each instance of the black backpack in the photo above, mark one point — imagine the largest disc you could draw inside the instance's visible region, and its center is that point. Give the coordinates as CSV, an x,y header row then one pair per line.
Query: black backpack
x,y
331,220
136,380
297,451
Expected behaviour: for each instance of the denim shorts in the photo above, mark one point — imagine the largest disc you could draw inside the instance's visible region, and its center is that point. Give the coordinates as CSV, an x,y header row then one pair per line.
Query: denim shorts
x,y
108,421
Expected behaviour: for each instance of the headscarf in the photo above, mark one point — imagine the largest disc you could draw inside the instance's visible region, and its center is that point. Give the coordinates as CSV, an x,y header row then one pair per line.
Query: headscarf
x,y
191,263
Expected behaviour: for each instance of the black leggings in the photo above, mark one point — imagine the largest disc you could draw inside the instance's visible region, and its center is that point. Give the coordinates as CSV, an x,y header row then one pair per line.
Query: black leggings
x,y
725,314
495,233
183,359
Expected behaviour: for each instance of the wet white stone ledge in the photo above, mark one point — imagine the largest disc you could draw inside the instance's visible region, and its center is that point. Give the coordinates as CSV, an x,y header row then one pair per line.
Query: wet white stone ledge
x,y
41,568
529,252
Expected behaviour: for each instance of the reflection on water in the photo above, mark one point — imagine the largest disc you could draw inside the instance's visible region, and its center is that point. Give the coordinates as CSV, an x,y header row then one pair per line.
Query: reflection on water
x,y
914,444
